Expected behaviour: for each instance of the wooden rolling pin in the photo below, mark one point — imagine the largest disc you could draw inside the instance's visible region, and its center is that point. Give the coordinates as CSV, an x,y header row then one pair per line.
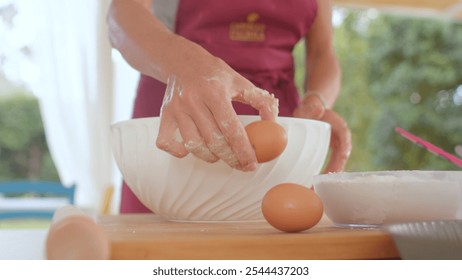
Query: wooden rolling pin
x,y
73,235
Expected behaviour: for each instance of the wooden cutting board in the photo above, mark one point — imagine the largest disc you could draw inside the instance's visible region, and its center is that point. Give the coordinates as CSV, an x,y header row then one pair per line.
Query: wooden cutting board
x,y
146,236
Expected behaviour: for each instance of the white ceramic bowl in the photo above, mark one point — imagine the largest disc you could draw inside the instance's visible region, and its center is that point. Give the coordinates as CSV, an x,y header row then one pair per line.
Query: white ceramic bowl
x,y
376,198
189,189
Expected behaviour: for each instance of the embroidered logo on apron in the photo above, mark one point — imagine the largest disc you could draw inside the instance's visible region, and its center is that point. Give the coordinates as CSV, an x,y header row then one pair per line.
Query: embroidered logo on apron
x,y
249,31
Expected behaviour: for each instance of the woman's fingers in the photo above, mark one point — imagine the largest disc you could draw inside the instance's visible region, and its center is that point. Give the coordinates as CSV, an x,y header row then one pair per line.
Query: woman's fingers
x,y
341,144
230,139
178,133
312,107
210,129
261,100
233,130
193,140
169,138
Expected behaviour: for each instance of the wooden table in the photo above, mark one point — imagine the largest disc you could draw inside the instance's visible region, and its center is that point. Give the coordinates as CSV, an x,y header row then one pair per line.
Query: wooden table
x,y
146,236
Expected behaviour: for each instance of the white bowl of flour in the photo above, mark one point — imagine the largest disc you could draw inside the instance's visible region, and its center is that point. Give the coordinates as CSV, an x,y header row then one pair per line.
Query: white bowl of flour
x,y
368,199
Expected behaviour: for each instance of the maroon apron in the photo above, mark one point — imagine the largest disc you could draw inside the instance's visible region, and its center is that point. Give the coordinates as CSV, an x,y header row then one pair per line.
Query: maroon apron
x,y
256,38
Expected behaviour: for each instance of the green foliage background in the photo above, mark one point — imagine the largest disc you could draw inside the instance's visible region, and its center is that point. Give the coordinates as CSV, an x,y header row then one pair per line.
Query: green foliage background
x,y
23,148
399,71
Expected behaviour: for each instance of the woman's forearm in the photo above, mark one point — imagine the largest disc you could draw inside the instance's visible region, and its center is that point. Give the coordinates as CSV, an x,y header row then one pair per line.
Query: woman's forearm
x,y
323,76
322,66
146,44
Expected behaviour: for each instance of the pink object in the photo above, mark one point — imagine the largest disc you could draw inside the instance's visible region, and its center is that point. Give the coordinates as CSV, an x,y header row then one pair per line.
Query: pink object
x,y
429,146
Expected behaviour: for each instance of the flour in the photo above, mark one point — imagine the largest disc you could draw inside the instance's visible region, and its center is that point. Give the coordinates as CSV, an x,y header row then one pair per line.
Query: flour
x,y
254,97
220,147
199,149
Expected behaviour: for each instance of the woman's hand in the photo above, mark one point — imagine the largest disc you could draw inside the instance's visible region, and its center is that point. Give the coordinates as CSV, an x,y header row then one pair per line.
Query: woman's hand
x,y
201,87
198,105
313,107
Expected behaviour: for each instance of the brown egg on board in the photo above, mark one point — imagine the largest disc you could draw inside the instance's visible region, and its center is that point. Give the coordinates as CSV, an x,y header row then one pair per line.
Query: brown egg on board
x,y
292,207
268,138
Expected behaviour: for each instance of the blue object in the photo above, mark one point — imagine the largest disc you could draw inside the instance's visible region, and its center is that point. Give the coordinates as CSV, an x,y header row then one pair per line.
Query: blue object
x,y
42,189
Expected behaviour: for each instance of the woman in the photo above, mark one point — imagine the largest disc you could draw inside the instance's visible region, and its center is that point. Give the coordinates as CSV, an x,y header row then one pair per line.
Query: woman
x,y
223,58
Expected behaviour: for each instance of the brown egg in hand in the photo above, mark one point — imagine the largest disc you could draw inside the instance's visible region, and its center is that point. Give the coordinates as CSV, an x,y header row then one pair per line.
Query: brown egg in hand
x,y
291,207
268,138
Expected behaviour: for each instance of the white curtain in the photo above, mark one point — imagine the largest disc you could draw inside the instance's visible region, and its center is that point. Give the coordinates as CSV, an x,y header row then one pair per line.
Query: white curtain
x,y
77,92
